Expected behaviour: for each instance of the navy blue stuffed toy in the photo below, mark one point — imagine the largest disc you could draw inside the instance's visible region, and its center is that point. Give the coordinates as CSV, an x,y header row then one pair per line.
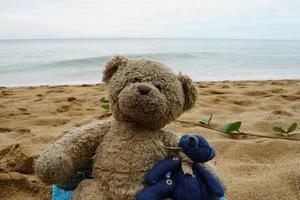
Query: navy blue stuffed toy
x,y
167,178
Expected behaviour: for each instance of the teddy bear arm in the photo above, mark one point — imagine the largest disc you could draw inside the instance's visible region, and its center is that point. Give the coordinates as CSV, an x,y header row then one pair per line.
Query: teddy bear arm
x,y
63,159
210,168
161,169
210,180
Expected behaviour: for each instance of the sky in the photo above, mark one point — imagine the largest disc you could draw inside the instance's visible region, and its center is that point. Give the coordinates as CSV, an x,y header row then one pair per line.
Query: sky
x,y
234,19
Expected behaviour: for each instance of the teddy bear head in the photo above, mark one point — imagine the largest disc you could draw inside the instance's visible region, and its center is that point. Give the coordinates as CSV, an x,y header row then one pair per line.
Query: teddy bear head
x,y
196,148
147,92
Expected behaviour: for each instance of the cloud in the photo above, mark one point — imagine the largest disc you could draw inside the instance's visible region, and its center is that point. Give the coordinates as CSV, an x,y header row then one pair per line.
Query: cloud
x,y
149,18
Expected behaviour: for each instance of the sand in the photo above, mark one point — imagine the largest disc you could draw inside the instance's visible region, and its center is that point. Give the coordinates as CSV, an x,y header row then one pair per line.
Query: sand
x,y
253,168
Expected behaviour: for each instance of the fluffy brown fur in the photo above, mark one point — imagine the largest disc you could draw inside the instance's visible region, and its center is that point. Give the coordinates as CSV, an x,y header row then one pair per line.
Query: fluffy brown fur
x,y
145,96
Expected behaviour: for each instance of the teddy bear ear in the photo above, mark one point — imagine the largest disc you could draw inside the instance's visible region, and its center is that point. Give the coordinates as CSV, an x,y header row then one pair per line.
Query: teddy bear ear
x,y
190,91
112,66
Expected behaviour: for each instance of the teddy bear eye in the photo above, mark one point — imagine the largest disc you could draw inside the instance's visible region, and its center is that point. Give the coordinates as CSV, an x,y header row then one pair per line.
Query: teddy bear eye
x,y
158,86
136,80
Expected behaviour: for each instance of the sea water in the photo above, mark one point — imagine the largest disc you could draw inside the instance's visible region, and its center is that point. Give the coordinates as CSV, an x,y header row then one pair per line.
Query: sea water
x,y
81,61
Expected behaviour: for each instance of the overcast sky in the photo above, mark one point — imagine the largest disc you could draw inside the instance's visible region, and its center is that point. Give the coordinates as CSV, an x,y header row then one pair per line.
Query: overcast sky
x,y
265,19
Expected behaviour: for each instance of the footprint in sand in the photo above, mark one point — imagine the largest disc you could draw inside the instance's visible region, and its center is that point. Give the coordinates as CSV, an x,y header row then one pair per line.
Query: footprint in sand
x,y
238,84
242,102
39,99
23,109
4,130
76,101
57,90
6,92
12,114
23,130
236,109
202,86
278,90
71,99
216,92
50,122
290,97
277,83
86,85
225,86
63,108
219,99
272,107
266,96
255,93
282,112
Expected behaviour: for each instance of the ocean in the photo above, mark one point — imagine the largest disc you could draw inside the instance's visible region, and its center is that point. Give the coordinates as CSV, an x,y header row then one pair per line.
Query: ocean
x,y
80,61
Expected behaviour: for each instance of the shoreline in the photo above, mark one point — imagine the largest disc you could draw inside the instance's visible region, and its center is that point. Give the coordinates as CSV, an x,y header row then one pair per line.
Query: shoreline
x,y
253,168
101,83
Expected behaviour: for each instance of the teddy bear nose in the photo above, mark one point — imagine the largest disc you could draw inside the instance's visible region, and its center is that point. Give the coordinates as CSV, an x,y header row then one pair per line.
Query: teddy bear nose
x,y
144,89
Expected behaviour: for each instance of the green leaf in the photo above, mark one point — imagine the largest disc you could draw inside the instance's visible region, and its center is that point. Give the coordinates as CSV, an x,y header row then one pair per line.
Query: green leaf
x,y
279,130
229,128
206,121
105,106
102,99
292,127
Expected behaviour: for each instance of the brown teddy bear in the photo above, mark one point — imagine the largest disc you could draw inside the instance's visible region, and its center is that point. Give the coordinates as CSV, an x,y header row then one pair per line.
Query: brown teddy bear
x,y
145,95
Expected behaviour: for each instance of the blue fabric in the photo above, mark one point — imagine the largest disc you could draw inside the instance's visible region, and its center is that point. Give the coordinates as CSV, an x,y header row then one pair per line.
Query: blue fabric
x,y
187,187
196,148
61,194
159,190
212,184
166,179
66,194
202,186
161,170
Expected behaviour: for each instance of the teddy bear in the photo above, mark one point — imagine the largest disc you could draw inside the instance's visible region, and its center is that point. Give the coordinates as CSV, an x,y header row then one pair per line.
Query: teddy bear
x,y
170,178
145,95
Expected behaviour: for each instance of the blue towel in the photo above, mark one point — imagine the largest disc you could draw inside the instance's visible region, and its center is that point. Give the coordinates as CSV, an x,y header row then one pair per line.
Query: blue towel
x,y
223,198
61,194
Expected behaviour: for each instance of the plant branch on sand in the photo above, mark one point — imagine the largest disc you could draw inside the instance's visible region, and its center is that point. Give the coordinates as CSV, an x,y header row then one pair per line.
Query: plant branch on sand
x,y
232,129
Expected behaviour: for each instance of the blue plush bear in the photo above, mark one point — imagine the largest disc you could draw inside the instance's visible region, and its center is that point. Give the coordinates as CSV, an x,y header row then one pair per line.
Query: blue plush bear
x,y
167,179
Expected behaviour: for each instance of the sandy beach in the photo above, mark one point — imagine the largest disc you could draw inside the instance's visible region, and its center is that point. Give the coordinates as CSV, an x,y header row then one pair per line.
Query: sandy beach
x,y
253,168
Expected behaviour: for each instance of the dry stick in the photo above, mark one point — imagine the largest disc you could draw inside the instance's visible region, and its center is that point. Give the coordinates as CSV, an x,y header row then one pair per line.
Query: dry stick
x,y
239,132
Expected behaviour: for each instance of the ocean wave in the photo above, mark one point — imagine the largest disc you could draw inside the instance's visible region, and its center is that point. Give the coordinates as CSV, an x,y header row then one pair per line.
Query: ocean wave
x,y
95,61
78,62
101,59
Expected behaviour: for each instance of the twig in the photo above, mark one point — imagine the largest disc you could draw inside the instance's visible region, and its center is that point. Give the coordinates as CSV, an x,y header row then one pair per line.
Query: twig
x,y
238,132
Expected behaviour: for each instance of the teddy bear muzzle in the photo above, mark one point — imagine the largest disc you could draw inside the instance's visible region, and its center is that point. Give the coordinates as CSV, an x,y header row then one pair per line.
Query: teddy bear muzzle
x,y
142,102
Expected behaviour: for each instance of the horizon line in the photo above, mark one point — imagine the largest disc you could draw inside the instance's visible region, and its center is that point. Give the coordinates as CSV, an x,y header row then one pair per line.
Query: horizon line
x,y
199,38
